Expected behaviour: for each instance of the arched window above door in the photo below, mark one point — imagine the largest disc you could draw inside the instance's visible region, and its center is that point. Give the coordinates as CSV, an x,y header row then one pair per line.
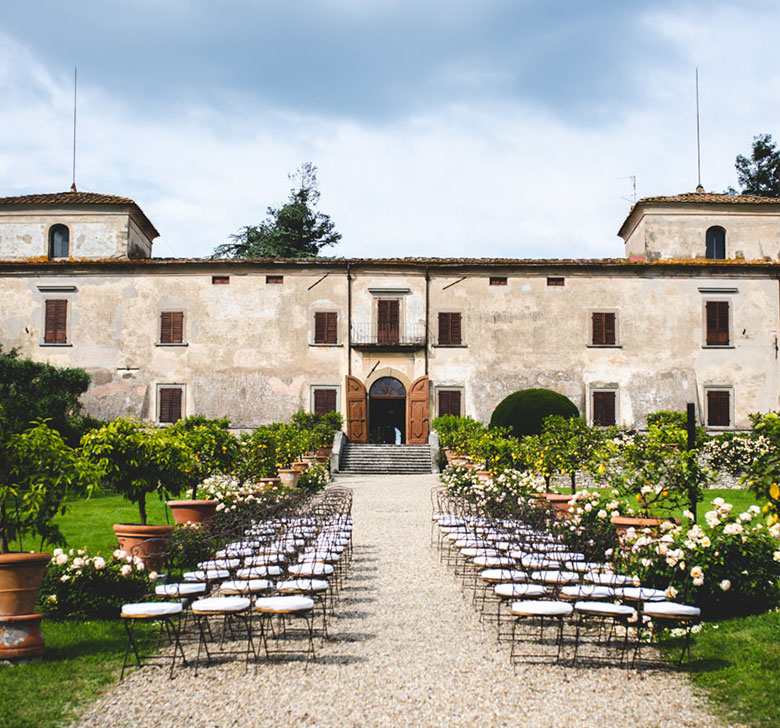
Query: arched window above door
x,y
716,243
59,241
387,387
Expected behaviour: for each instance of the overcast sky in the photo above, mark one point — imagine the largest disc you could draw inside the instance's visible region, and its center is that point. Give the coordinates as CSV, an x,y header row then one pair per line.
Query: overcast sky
x,y
439,127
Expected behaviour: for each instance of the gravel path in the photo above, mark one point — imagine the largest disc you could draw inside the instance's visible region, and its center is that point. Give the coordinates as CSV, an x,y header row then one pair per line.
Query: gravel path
x,y
406,650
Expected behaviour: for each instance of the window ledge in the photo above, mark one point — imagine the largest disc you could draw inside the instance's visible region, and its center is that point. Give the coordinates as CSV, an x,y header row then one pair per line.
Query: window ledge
x,y
60,345
604,346
450,346
327,346
718,346
181,343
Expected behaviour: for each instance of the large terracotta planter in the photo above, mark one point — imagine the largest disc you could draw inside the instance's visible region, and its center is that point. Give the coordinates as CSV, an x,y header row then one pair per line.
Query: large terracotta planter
x,y
300,466
20,636
289,477
324,452
623,523
146,542
559,502
268,482
20,581
193,511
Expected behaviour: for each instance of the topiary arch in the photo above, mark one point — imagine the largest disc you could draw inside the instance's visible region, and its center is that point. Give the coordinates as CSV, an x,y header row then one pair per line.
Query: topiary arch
x,y
523,412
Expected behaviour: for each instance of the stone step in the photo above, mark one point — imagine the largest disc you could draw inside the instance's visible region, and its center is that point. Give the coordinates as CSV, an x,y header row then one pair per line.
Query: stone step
x,y
386,459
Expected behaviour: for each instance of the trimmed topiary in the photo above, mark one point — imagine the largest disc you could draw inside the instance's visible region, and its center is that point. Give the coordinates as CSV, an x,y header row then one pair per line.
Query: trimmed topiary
x,y
523,412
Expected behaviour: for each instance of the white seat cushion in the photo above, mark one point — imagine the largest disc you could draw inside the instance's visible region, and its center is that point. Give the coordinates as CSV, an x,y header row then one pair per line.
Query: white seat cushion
x,y
284,605
640,594
519,590
180,590
259,572
151,609
502,575
233,552
554,576
313,568
220,605
245,586
498,561
587,591
479,551
609,579
671,610
219,564
265,560
302,585
533,608
605,609
211,575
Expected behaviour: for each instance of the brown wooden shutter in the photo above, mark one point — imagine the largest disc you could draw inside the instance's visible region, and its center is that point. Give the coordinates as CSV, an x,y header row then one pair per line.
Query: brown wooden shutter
x,y
172,327
56,322
603,408
324,401
718,408
387,321
604,329
450,329
717,323
449,402
325,327
170,404
444,329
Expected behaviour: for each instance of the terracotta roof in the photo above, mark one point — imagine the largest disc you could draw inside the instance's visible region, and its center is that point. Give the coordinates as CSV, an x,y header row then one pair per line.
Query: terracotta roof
x,y
699,198
81,198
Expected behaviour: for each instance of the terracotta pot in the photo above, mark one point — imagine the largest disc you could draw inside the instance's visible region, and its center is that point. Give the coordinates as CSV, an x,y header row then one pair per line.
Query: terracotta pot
x,y
193,511
300,466
289,477
623,523
20,636
324,452
146,542
20,581
484,474
559,502
268,482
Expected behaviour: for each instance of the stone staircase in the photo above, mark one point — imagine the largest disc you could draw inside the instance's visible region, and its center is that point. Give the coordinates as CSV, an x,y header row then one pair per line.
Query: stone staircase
x,y
385,459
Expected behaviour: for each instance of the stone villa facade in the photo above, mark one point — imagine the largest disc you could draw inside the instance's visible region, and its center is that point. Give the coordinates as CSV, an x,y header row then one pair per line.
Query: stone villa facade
x,y
691,313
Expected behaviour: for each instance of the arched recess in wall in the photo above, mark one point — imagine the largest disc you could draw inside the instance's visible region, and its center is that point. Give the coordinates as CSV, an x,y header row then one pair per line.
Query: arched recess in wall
x,y
716,243
59,241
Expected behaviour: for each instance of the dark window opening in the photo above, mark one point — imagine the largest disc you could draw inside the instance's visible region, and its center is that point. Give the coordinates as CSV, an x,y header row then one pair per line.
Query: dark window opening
x,y
603,409
556,281
388,327
716,243
719,408
220,280
325,327
497,280
170,404
717,323
172,327
56,322
604,330
274,279
449,402
324,401
450,329
59,241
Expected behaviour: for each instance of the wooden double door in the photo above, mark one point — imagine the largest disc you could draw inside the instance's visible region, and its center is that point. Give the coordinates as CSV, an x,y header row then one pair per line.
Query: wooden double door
x,y
416,406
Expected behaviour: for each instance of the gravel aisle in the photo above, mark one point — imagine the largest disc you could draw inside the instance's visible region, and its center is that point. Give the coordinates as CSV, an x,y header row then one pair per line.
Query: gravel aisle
x,y
406,650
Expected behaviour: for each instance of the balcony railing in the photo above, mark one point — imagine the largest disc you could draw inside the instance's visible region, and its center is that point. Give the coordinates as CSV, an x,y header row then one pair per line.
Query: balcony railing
x,y
369,334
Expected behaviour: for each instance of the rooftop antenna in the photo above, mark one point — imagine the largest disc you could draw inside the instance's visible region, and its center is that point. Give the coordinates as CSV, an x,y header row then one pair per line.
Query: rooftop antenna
x,y
75,86
631,199
699,188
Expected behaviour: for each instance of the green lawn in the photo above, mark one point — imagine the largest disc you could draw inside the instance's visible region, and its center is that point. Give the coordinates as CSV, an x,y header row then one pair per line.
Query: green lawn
x,y
736,662
82,661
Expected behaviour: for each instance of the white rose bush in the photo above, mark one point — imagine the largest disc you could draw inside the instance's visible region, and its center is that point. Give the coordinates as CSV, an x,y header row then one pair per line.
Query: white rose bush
x,y
79,586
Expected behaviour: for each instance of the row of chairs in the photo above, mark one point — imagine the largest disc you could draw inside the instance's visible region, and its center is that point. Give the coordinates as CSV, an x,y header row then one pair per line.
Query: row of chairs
x,y
532,587
266,589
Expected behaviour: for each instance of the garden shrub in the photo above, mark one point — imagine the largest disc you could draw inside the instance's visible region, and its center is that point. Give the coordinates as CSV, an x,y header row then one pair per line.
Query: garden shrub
x,y
314,478
523,412
735,452
79,586
589,529
455,432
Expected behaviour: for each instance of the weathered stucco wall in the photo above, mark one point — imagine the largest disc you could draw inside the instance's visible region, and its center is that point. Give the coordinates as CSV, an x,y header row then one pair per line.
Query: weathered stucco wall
x,y
249,351
680,233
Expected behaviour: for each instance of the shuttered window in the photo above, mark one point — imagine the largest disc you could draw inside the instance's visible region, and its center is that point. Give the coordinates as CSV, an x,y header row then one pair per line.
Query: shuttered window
x,y
325,327
603,409
556,282
497,280
603,329
717,315
324,401
388,318
170,399
450,329
220,280
172,327
274,279
56,322
718,408
449,402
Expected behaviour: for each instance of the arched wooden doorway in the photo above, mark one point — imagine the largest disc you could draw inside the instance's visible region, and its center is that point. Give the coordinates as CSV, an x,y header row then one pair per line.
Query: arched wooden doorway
x,y
387,411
